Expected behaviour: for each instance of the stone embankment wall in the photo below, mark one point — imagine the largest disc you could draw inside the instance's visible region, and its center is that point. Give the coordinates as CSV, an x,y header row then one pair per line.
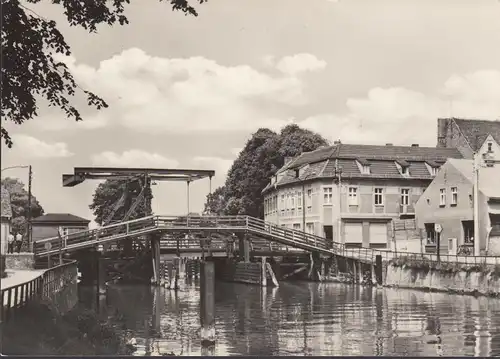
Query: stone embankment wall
x,y
479,280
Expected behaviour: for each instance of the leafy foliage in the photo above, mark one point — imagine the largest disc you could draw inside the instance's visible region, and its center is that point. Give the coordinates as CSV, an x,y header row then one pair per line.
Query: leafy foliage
x,y
19,202
109,192
30,70
262,156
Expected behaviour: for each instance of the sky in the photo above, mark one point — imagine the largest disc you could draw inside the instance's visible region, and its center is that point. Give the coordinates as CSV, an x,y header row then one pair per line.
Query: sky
x,y
188,92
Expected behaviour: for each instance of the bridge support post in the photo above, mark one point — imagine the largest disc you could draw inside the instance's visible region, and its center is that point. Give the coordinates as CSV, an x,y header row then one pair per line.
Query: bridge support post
x,y
155,254
244,245
378,269
207,303
360,272
354,271
101,274
263,272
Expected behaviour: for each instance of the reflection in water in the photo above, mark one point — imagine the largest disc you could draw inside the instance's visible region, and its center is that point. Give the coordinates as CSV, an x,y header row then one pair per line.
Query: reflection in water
x,y
307,319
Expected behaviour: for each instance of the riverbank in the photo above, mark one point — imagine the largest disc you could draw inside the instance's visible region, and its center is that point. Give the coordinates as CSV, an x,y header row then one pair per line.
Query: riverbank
x,y
79,332
444,277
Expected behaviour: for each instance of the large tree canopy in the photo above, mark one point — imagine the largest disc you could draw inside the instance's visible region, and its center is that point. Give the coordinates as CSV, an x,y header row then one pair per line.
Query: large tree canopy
x,y
19,202
108,194
29,41
262,156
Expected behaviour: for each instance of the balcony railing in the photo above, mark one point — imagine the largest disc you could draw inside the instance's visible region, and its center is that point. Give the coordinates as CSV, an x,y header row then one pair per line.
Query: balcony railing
x,y
406,209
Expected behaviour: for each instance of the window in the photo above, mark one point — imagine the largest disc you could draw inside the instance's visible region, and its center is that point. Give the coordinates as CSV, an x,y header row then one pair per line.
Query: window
x,y
378,197
434,171
405,196
404,170
296,226
309,201
468,227
327,195
299,200
292,198
454,196
442,197
490,147
310,228
431,233
365,170
353,196
282,204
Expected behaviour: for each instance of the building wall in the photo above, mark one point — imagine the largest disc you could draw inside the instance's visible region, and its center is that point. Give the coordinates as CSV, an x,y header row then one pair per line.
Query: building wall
x,y
495,154
450,217
449,136
4,232
329,214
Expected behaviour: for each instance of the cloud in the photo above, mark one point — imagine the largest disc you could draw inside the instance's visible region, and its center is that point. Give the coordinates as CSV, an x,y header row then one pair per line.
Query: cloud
x,y
29,146
219,165
402,116
133,158
293,65
153,94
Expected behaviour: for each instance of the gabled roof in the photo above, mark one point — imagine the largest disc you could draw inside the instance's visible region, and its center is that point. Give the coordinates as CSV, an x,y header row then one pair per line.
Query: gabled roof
x,y
488,176
476,131
381,159
5,203
59,218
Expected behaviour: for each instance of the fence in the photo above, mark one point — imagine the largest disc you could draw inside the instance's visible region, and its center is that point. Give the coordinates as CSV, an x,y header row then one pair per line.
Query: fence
x,y
368,255
44,287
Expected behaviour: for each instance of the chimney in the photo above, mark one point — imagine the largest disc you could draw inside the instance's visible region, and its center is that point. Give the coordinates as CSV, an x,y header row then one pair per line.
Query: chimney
x,y
388,144
415,145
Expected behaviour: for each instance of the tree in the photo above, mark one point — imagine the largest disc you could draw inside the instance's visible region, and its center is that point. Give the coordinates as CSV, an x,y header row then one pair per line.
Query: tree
x,y
29,42
262,156
216,201
109,192
19,201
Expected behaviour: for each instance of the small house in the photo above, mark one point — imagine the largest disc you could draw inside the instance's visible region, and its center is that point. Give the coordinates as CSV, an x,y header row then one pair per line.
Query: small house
x,y
49,225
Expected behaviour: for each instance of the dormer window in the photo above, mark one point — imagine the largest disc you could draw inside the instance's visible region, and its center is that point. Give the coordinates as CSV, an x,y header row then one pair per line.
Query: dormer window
x,y
403,167
363,166
432,167
302,170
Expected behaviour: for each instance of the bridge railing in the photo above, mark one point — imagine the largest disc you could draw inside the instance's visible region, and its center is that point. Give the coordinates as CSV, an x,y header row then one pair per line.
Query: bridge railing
x,y
287,235
203,222
76,238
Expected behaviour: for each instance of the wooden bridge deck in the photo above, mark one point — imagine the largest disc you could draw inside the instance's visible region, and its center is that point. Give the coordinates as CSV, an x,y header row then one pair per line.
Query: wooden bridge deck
x,y
196,232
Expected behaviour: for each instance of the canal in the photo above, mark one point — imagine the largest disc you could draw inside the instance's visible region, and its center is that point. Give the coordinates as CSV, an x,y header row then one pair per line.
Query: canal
x,y
300,318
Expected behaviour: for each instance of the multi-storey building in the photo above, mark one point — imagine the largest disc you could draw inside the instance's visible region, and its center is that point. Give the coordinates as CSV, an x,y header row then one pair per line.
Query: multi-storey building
x,y
350,193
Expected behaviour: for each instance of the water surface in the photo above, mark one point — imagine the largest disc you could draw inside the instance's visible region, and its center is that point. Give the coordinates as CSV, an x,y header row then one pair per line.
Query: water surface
x,y
307,319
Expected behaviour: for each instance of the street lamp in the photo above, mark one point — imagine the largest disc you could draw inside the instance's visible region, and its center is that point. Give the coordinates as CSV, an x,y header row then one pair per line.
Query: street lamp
x,y
30,175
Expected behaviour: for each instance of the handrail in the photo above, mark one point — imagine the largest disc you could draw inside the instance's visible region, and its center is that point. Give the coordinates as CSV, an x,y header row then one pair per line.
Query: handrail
x,y
44,286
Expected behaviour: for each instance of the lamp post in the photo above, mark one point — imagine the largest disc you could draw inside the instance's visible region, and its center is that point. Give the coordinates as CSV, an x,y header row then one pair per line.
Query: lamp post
x,y
30,176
